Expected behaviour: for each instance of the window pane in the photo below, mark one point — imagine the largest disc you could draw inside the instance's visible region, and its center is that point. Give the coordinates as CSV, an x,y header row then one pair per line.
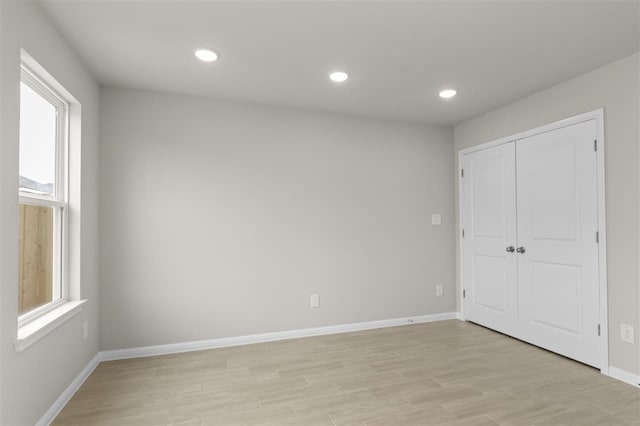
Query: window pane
x,y
37,142
35,267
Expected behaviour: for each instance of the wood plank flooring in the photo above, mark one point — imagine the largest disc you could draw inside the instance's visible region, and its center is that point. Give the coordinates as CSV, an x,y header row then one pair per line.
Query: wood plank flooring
x,y
441,373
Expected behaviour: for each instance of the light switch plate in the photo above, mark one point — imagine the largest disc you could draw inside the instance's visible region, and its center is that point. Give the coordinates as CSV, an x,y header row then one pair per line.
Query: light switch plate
x,y
314,300
436,219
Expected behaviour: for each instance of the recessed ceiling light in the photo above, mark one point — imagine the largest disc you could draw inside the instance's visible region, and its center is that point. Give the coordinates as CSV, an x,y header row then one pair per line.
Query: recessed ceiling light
x,y
205,54
448,93
338,76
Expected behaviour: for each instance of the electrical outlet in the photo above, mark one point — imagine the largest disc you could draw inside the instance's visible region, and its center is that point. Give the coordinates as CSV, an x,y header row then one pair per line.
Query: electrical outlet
x,y
626,333
85,329
439,290
314,300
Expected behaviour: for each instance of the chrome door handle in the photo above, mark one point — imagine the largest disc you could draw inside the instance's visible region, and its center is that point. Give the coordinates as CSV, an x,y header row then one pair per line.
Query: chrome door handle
x,y
510,249
520,250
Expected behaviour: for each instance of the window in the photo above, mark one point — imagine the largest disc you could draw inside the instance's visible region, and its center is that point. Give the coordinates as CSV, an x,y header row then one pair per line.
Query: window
x,y
43,205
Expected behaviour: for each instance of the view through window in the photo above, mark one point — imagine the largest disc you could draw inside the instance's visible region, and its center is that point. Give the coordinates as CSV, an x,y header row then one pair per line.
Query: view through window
x,y
42,195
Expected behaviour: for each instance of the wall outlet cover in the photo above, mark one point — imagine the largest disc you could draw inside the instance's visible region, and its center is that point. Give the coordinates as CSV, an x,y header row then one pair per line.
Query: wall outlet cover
x,y
626,333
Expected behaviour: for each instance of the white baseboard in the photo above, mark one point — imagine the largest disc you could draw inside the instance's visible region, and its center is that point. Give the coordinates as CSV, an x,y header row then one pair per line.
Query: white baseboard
x,y
66,395
268,337
624,376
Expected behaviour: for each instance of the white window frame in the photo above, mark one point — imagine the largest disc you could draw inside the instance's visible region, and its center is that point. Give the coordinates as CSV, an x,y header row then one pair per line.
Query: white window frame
x,y
58,200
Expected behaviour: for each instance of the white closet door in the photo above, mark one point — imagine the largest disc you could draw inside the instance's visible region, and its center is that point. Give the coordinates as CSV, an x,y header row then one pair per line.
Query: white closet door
x,y
557,224
489,270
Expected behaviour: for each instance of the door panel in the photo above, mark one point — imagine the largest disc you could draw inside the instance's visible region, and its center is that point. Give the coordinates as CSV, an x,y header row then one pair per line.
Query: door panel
x,y
488,181
490,283
555,290
552,171
557,222
489,212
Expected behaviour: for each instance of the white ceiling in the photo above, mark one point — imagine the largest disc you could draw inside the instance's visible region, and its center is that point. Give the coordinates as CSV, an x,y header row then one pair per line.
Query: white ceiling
x,y
400,54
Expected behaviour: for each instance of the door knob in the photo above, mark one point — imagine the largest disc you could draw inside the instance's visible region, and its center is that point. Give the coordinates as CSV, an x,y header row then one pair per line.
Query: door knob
x,y
520,250
510,249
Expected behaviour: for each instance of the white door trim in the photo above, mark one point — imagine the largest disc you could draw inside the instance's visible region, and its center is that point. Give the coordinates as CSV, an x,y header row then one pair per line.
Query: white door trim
x,y
598,116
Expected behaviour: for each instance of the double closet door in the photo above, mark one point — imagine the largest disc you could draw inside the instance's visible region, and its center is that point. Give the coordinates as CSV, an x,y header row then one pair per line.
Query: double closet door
x,y
530,249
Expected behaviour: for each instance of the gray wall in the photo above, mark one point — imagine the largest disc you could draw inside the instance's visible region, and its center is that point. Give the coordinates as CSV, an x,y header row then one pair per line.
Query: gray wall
x,y
220,219
32,380
614,87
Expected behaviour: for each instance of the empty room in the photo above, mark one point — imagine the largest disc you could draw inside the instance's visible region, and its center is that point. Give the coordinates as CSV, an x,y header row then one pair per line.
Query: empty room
x,y
319,212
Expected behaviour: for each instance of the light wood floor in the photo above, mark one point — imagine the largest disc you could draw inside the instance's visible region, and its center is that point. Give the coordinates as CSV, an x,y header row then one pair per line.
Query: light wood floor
x,y
443,373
